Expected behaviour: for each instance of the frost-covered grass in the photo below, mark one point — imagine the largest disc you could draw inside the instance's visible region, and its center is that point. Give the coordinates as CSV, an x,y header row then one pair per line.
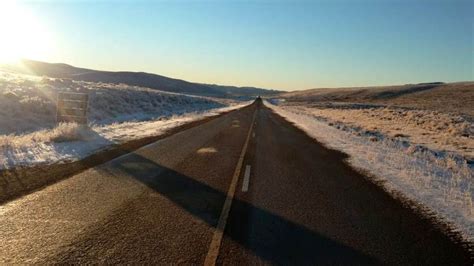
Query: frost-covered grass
x,y
71,142
62,133
443,184
29,103
437,131
29,134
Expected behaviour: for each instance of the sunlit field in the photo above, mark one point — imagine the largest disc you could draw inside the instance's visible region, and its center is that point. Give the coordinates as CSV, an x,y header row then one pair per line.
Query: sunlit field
x,y
29,131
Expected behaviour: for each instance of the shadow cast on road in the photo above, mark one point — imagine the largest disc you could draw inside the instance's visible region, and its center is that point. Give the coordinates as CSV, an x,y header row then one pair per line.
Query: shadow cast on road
x,y
279,241
24,179
21,181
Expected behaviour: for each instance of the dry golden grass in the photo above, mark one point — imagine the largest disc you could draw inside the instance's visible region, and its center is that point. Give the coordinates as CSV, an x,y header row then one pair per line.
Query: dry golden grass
x,y
447,98
437,116
453,97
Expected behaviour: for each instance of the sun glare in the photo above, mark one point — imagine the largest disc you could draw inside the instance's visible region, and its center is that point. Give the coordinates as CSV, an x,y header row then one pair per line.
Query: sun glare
x,y
21,34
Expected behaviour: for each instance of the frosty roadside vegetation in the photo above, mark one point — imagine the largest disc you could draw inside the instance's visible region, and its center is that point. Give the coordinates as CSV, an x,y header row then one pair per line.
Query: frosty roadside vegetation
x,y
437,177
118,113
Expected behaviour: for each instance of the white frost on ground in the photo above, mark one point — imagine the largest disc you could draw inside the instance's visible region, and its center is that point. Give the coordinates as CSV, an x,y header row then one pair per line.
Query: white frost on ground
x,y
117,113
444,184
437,131
28,103
71,142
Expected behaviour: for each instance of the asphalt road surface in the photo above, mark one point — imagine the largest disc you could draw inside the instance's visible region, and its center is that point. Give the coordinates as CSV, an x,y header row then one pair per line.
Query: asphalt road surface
x,y
244,188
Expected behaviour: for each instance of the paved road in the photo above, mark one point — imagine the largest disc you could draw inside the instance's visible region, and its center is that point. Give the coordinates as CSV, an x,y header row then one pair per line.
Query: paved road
x,y
166,203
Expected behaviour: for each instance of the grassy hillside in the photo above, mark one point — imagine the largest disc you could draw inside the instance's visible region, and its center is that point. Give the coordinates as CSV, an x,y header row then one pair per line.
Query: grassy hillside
x,y
29,103
445,97
141,79
438,116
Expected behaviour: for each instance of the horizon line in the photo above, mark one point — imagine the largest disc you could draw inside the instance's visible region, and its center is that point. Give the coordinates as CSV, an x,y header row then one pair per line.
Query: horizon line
x,y
246,86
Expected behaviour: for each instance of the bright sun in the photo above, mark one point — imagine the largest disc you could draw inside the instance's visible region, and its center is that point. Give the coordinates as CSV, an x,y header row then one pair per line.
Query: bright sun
x,y
21,34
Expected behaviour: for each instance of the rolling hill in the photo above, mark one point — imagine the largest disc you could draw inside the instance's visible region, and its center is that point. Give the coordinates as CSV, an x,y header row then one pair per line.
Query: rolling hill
x,y
142,79
456,97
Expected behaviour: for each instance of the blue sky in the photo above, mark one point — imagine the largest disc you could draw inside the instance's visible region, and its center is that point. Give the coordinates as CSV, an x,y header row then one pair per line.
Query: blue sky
x,y
275,44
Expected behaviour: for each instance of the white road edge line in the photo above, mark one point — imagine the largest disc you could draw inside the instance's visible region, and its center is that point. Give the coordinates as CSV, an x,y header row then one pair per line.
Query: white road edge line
x,y
215,245
245,184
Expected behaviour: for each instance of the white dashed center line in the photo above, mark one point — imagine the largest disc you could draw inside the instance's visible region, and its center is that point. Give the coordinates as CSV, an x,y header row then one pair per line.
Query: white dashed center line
x,y
245,184
216,241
